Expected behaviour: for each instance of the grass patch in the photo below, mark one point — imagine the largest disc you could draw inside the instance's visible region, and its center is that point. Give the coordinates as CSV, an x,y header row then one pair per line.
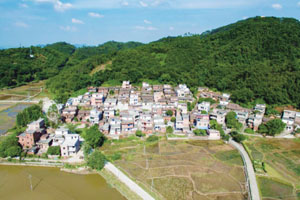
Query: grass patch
x,y
274,189
231,157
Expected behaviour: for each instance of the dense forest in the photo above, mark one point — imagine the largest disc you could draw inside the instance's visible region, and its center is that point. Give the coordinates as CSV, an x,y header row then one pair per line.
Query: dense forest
x,y
257,58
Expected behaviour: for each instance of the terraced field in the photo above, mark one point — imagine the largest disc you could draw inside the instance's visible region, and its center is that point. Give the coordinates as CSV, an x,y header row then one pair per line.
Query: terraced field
x,y
207,170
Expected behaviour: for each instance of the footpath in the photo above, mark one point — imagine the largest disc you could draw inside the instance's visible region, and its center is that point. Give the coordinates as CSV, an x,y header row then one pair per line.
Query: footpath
x,y
127,181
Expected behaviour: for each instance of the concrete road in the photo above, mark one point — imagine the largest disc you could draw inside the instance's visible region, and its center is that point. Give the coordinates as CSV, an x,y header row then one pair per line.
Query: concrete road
x,y
132,185
251,179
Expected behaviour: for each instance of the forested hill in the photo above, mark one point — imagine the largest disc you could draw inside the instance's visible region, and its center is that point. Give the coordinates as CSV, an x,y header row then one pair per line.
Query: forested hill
x,y
257,58
253,58
19,66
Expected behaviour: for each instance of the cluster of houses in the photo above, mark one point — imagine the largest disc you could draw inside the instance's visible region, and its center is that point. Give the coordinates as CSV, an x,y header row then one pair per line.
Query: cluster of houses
x,y
122,110
36,140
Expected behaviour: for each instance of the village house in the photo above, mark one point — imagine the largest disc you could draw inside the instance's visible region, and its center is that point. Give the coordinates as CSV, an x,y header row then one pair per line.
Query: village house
x,y
254,120
183,91
126,85
202,121
159,124
146,123
97,99
291,119
224,99
70,146
242,116
213,134
204,106
218,115
44,143
32,134
95,116
69,113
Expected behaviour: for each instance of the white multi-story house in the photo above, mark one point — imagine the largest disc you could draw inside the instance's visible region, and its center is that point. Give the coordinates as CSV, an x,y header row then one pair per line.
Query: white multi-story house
x,y
70,145
183,91
204,106
133,99
95,116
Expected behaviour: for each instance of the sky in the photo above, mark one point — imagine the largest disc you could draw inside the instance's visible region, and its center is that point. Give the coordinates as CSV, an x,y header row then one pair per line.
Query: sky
x,y
93,22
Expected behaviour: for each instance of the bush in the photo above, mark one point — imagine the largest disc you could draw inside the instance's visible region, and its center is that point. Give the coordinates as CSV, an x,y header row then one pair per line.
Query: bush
x,y
169,129
173,119
116,156
169,113
237,137
272,127
152,138
249,130
96,160
53,150
200,132
139,133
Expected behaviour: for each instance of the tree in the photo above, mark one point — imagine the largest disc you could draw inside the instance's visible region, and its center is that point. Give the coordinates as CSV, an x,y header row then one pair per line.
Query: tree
x,y
173,119
169,113
275,126
231,121
94,137
263,128
10,146
242,95
53,150
13,151
169,129
96,160
237,136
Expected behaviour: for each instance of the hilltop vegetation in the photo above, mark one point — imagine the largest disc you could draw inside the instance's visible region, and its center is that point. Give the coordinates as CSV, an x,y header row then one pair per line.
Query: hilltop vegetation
x,y
257,58
18,68
254,58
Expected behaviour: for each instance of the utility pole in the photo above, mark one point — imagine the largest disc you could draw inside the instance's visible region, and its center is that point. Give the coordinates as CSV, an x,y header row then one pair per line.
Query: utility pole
x,y
30,181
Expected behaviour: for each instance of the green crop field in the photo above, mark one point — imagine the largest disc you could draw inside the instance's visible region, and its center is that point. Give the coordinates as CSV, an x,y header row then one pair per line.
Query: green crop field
x,y
205,170
280,175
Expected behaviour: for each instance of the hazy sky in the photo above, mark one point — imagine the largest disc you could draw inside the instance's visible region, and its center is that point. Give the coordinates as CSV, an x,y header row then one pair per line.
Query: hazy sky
x,y
92,22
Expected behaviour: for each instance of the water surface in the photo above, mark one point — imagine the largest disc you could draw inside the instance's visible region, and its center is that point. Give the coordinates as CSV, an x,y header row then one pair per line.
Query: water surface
x,y
52,184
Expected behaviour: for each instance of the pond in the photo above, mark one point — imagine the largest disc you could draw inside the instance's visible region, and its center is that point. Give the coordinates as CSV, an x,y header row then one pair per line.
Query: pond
x,y
8,117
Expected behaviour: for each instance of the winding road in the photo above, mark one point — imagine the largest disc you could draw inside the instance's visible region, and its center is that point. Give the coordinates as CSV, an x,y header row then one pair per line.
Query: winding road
x,y
250,174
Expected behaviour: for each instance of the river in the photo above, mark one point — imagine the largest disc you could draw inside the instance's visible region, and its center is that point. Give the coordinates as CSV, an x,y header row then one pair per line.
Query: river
x,y
52,184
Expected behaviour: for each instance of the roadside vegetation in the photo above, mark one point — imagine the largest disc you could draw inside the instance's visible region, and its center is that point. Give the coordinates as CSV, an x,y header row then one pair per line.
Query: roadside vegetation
x,y
276,163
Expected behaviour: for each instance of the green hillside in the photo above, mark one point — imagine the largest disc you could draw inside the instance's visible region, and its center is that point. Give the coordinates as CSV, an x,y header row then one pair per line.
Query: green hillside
x,y
253,58
257,58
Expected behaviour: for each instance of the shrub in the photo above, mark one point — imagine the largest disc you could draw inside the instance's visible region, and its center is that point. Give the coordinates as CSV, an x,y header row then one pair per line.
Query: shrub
x,y
169,112
53,150
237,137
139,133
200,132
169,129
152,138
173,119
249,130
